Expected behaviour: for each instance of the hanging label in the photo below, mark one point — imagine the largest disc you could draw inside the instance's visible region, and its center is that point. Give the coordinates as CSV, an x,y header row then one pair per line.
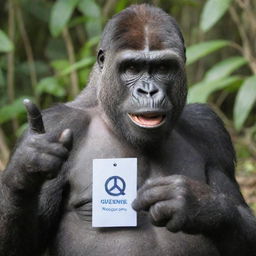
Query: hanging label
x,y
114,189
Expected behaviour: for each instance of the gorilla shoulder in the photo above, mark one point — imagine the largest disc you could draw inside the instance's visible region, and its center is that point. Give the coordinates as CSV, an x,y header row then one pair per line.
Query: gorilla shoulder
x,y
202,127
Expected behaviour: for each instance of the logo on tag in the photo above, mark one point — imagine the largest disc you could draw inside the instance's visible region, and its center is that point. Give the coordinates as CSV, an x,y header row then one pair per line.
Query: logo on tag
x,y
115,186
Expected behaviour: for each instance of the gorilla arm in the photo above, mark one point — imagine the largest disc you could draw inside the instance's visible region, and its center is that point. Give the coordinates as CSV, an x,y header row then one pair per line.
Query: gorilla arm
x,y
216,208
37,157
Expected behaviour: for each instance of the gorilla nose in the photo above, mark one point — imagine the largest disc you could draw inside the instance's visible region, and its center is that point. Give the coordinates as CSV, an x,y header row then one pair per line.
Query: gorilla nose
x,y
146,90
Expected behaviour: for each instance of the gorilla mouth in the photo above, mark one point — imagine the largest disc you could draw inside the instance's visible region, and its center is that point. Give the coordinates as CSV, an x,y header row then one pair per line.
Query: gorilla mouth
x,y
148,120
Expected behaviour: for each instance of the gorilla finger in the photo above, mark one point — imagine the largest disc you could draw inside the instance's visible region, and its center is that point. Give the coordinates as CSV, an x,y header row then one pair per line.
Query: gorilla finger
x,y
34,117
58,150
43,146
177,222
172,181
146,198
66,138
160,213
44,162
163,211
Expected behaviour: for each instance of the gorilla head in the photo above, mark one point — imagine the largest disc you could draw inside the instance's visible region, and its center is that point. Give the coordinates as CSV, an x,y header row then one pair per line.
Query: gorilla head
x,y
142,82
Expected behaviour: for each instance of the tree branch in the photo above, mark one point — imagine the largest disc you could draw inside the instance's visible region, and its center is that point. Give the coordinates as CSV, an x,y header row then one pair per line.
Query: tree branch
x,y
10,59
247,52
4,150
71,56
28,49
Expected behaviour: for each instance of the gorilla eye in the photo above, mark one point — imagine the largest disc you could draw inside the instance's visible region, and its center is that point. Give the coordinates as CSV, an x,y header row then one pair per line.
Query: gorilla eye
x,y
132,69
163,69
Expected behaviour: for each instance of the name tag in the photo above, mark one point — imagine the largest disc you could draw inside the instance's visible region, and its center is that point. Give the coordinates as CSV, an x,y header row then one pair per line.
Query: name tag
x,y
114,189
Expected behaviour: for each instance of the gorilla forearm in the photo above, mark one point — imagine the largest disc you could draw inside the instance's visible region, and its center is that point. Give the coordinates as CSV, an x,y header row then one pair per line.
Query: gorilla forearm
x,y
27,213
38,157
18,222
238,235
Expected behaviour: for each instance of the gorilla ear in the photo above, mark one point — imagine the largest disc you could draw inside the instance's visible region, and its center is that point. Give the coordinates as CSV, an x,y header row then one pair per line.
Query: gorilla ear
x,y
100,58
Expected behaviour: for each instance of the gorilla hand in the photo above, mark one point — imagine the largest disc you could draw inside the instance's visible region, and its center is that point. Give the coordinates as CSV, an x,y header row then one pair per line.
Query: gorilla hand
x,y
40,155
183,204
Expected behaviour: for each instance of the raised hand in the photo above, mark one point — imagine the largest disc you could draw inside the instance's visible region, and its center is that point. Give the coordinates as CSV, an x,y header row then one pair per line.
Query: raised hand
x,y
41,154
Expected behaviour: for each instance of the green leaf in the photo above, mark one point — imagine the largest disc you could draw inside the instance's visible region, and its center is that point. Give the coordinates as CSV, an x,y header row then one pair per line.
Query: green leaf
x,y
88,48
244,102
225,68
21,129
197,51
120,5
6,44
93,27
41,68
80,64
39,9
50,85
212,12
93,13
59,65
201,91
56,49
60,15
89,8
8,112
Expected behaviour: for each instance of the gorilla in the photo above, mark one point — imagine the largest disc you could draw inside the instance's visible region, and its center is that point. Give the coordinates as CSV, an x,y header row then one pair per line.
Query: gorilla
x,y
188,201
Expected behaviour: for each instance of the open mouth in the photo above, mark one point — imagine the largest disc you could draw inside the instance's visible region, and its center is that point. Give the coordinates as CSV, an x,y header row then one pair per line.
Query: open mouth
x,y
148,120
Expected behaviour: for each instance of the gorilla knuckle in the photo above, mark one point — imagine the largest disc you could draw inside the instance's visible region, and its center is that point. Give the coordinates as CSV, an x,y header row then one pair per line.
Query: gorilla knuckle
x,y
179,180
156,212
176,223
49,163
149,182
60,150
147,194
181,202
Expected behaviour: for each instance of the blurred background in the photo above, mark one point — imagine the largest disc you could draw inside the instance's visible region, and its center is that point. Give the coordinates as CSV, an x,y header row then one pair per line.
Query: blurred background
x,y
47,49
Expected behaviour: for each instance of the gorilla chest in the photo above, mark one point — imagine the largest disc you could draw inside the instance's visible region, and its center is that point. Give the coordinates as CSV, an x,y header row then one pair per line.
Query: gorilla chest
x,y
175,157
76,227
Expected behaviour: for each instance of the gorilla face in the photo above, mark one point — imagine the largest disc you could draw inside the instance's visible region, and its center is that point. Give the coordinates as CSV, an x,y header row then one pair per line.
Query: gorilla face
x,y
143,93
143,83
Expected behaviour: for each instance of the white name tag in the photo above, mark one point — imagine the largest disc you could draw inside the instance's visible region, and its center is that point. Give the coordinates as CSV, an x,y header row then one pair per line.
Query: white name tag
x,y
114,189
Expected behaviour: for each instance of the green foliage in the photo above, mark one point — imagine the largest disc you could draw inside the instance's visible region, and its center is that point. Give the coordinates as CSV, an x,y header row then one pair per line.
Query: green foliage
x,y
60,15
202,90
212,12
121,5
89,8
87,62
2,79
5,44
225,68
10,111
50,85
245,100
93,14
197,51
217,78
40,9
220,77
